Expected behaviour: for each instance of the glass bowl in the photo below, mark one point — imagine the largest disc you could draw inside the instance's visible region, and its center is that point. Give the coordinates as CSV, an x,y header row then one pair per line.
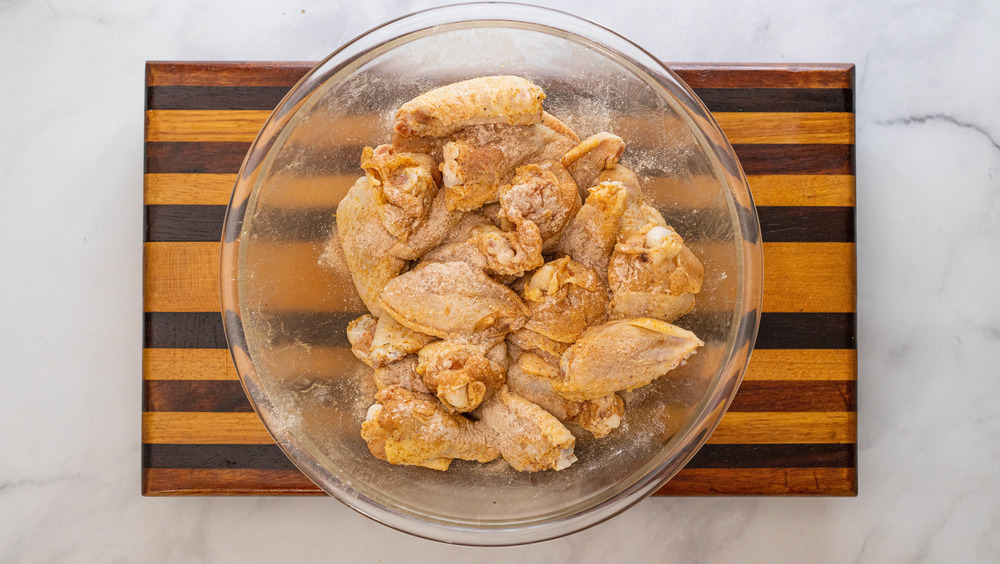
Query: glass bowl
x,y
287,295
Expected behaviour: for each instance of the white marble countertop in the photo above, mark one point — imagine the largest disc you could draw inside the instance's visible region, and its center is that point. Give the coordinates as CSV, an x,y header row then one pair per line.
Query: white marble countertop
x,y
928,233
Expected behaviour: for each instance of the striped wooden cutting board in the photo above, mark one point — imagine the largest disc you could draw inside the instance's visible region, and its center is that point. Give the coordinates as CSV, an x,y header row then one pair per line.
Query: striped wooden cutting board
x,y
792,428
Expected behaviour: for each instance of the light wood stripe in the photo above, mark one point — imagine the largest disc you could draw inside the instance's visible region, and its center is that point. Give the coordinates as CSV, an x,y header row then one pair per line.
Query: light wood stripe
x,y
802,364
203,428
803,190
740,127
735,428
762,481
765,364
299,192
181,277
787,128
785,427
187,364
813,277
188,189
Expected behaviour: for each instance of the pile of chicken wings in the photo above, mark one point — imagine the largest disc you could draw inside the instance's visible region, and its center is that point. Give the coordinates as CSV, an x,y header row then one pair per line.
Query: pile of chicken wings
x,y
516,279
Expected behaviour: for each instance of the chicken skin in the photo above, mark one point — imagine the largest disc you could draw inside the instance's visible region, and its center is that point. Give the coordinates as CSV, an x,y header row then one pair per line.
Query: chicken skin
x,y
622,355
593,155
544,194
529,438
453,300
565,297
403,184
652,273
510,100
404,427
591,234
531,376
366,244
459,374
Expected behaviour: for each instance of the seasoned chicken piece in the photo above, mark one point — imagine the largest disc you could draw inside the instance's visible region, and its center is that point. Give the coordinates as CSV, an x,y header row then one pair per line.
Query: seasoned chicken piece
x,y
459,374
510,253
383,341
527,340
481,159
622,355
393,341
502,254
508,100
404,185
652,273
361,334
470,223
453,300
403,374
528,437
531,377
565,297
594,154
623,174
440,222
590,235
408,428
366,244
544,194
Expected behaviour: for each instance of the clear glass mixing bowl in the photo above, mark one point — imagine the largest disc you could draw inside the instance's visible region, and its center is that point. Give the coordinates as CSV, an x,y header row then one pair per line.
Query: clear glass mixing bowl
x,y
287,296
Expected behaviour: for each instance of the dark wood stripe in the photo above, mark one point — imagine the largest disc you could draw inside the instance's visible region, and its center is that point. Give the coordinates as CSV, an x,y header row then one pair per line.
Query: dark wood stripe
x,y
795,395
840,455
806,224
796,159
778,224
172,330
227,157
777,99
200,330
214,97
227,396
195,395
195,157
203,223
270,457
175,223
806,331
175,97
260,457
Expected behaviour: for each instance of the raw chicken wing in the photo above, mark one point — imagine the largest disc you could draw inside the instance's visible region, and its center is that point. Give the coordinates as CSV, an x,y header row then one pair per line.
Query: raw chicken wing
x,y
594,154
408,428
544,194
591,234
459,374
622,355
453,300
565,297
366,244
531,377
528,437
509,100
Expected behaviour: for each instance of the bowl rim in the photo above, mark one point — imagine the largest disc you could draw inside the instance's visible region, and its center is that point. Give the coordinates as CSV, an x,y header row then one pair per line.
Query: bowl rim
x,y
692,435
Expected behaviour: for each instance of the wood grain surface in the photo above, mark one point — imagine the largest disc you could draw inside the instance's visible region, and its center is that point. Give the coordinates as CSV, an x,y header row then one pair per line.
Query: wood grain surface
x,y
792,427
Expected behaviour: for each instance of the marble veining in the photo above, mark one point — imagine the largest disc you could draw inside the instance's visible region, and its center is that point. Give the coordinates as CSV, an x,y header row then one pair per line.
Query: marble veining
x,y
928,233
